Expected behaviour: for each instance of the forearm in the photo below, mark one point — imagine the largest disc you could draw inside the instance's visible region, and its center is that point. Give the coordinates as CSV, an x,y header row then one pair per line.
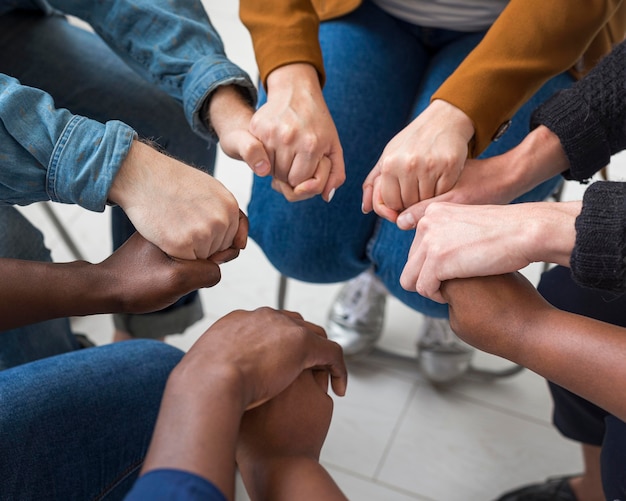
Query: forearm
x,y
581,354
174,45
29,295
590,118
285,479
204,406
522,50
537,158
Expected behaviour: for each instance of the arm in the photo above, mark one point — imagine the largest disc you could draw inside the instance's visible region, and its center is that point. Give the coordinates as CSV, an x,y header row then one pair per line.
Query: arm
x,y
137,278
529,43
294,124
521,51
241,361
581,354
172,44
462,241
574,133
51,154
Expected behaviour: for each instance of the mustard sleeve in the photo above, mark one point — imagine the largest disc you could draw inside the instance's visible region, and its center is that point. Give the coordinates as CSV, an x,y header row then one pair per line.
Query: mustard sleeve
x,y
530,42
282,32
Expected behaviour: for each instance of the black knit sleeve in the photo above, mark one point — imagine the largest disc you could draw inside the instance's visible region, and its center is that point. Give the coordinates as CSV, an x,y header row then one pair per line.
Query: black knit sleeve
x,y
598,258
590,117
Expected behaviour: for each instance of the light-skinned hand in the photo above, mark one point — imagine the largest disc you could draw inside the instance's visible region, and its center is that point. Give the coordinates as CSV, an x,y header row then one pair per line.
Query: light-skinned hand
x,y
422,161
462,241
299,135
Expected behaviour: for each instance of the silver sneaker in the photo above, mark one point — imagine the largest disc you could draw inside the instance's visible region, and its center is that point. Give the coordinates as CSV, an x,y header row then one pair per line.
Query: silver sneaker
x,y
442,356
356,317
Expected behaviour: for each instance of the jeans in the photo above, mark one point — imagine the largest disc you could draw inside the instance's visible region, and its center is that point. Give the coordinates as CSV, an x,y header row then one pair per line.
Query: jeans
x,y
77,426
577,418
83,75
381,73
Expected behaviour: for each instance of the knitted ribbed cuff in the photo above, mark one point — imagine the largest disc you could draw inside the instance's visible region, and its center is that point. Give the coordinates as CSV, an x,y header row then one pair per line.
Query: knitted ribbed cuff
x,y
598,257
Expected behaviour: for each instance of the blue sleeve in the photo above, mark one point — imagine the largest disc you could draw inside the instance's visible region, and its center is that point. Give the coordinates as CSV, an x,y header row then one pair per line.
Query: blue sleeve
x,y
173,485
171,43
51,154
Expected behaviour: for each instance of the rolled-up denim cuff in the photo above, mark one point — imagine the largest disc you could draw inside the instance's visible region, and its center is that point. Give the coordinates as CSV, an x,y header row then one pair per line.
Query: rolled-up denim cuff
x,y
159,324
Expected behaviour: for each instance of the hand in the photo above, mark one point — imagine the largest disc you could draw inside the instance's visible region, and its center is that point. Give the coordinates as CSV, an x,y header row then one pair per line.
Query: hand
x,y
242,360
292,424
141,278
502,178
280,442
461,241
185,212
299,135
268,349
230,115
424,160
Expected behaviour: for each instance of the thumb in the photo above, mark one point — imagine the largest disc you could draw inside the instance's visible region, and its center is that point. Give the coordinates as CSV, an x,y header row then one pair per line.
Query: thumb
x,y
253,153
408,219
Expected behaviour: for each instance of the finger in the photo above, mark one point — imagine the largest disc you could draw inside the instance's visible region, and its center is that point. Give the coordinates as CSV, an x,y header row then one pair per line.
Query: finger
x,y
378,204
367,204
224,256
336,177
409,218
202,273
330,356
241,237
303,167
287,191
315,185
253,153
321,378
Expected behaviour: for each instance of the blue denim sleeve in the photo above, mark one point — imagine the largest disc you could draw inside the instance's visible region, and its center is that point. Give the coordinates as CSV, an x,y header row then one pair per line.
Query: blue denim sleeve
x,y
171,43
51,154
173,485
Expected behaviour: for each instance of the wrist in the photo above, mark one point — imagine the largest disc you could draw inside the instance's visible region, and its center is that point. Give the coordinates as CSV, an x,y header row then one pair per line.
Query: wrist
x,y
227,107
541,156
130,174
551,231
454,117
298,76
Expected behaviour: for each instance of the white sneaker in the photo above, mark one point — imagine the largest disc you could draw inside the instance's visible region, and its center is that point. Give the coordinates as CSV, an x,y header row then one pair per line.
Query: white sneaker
x,y
356,317
442,356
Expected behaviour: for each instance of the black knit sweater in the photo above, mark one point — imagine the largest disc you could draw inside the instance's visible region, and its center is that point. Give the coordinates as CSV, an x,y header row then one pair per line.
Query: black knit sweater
x,y
590,121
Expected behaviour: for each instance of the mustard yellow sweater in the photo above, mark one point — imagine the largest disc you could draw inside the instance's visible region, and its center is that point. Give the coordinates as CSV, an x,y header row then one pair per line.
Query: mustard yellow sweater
x,y
529,43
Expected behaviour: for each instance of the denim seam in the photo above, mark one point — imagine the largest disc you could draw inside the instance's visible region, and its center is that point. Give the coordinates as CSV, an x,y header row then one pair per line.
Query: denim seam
x,y
56,154
125,473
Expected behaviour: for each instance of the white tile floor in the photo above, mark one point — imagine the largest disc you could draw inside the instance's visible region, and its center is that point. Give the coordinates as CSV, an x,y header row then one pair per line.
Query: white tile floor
x,y
394,437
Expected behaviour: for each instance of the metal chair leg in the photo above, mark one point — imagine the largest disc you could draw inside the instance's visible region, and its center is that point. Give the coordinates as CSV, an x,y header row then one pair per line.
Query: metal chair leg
x,y
282,291
63,232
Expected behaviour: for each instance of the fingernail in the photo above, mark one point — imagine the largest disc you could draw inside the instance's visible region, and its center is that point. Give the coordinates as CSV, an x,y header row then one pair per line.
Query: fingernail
x,y
406,221
259,167
331,195
363,209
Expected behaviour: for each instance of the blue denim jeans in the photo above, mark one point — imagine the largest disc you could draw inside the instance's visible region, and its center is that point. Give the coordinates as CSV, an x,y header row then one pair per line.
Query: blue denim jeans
x,y
577,418
77,426
381,73
85,76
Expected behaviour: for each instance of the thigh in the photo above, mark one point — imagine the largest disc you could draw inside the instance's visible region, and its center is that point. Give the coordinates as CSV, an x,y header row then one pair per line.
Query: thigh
x,y
77,426
373,71
83,75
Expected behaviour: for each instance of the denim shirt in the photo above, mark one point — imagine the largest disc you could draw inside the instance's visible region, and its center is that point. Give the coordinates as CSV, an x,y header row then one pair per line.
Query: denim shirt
x,y
51,154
